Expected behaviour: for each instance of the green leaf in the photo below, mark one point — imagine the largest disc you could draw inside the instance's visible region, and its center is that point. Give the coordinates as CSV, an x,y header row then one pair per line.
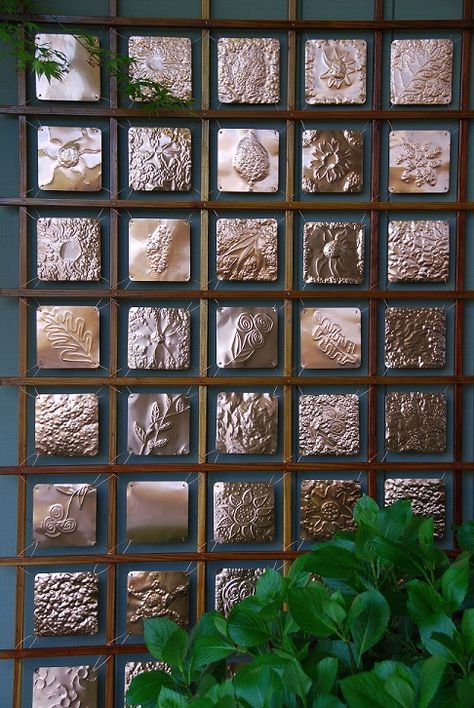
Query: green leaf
x,y
424,604
335,559
326,674
465,536
366,511
367,689
165,640
255,685
368,619
467,627
465,691
429,680
394,519
307,609
327,702
246,628
171,699
209,649
455,582
270,586
147,686
295,680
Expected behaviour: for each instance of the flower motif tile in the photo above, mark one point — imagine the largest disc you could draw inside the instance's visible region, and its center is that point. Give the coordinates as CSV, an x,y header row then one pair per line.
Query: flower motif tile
x,y
69,159
333,252
332,161
421,71
418,251
135,668
156,593
427,496
159,159
81,78
158,424
244,512
159,338
327,506
64,515
335,71
164,60
67,424
74,686
419,161
246,337
248,70
67,337
66,604
329,424
330,338
233,585
157,512
159,250
68,248
247,423
415,422
247,160
415,337
247,249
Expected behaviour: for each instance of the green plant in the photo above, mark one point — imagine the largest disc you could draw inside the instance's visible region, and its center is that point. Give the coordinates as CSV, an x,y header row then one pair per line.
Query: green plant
x,y
387,623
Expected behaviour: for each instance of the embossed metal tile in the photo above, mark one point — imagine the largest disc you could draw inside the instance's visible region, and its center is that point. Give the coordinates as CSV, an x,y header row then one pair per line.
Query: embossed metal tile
x,y
234,585
418,251
427,496
158,424
67,424
330,338
159,250
158,338
327,506
81,80
415,337
247,160
246,249
66,604
159,159
421,71
67,337
244,512
74,686
332,161
68,248
248,70
329,424
69,159
415,422
135,668
156,593
157,512
419,161
64,514
247,423
246,337
165,60
335,70
333,252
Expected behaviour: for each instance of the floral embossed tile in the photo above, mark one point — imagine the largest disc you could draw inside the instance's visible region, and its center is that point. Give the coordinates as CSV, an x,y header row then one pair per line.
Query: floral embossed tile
x,y
421,71
64,514
419,161
69,159
157,512
246,249
415,422
247,423
333,252
159,159
81,78
68,249
247,160
163,60
67,424
335,70
248,70
418,251
159,338
156,593
246,337
244,512
415,337
327,506
158,424
427,496
332,161
65,686
66,604
329,424
159,250
234,585
330,338
67,337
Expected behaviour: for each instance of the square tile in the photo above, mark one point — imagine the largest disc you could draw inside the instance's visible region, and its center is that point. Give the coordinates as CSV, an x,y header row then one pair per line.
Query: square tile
x,y
418,251
335,70
233,585
332,161
64,514
67,337
419,161
248,70
329,424
69,159
415,422
157,512
330,338
159,159
158,424
246,337
247,160
421,71
65,685
415,337
66,604
67,424
247,423
159,250
81,78
68,249
427,496
156,593
244,512
327,506
246,249
164,60
159,338
135,668
333,252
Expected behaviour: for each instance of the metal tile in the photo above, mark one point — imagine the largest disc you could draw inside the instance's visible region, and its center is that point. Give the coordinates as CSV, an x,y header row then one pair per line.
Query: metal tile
x,y
244,512
69,159
327,506
157,512
418,251
159,250
329,424
415,337
165,60
421,71
246,249
335,70
81,81
159,159
419,161
246,423
64,515
248,70
68,249
246,337
247,160
332,161
159,338
158,424
74,686
66,604
67,337
233,585
333,252
156,593
135,668
415,422
330,338
427,496
67,424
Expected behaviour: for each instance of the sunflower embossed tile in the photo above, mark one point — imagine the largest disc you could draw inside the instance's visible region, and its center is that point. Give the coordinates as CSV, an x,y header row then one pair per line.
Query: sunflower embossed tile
x,y
156,593
421,71
418,251
159,250
332,161
327,506
415,422
329,424
68,248
419,161
64,515
157,512
246,337
69,159
333,252
248,70
158,424
159,338
80,80
65,686
247,423
67,424
335,70
246,249
244,512
427,496
67,337
164,60
233,585
415,337
66,604
247,160
330,338
159,159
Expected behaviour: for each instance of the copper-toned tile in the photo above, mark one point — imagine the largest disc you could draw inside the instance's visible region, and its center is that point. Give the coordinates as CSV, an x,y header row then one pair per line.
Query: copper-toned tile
x,y
64,514
247,160
330,338
69,159
419,161
234,585
415,422
165,60
418,251
74,686
327,506
157,512
421,71
244,512
68,248
66,604
159,159
329,424
67,424
246,249
246,337
415,337
156,593
67,337
81,80
247,423
332,161
159,250
159,338
335,70
333,252
135,668
248,70
158,424
427,496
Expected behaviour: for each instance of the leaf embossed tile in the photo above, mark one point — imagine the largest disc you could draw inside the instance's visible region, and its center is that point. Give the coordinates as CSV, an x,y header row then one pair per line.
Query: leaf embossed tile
x,y
247,423
327,506
335,70
156,593
66,604
69,159
67,424
68,249
64,515
419,161
67,337
332,161
247,160
159,338
418,251
329,424
415,422
330,338
233,585
415,337
421,71
158,424
159,250
246,337
157,512
244,512
55,686
81,78
247,249
164,60
159,159
427,496
333,252
248,70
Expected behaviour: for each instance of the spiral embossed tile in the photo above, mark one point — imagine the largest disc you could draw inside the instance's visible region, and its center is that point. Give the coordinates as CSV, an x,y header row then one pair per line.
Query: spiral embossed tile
x,y
333,252
164,60
68,686
159,250
69,159
329,424
415,422
330,338
234,585
246,337
415,337
427,496
418,251
246,423
247,160
157,512
158,424
68,249
419,161
67,337
156,593
80,80
64,514
327,506
246,249
248,70
421,71
244,512
335,70
332,161
67,424
66,604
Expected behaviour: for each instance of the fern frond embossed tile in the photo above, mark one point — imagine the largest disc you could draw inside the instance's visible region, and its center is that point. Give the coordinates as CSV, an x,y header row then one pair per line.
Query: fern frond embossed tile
x,y
421,71
67,337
